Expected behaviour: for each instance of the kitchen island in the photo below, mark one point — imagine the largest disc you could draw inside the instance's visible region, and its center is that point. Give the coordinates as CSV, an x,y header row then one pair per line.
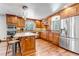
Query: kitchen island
x,y
27,42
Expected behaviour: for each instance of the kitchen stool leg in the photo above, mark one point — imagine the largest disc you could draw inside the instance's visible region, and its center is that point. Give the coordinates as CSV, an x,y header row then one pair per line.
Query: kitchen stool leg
x,y
14,49
7,49
20,48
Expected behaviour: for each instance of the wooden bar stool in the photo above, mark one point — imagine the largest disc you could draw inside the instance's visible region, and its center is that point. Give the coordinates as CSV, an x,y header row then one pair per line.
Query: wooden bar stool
x,y
11,41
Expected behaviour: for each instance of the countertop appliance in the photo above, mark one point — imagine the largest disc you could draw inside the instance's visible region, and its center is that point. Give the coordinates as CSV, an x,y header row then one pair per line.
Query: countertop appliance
x,y
11,29
70,34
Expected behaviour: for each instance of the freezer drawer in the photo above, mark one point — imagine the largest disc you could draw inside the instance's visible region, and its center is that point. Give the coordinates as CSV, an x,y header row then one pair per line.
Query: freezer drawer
x,y
73,44
76,46
63,42
67,43
70,44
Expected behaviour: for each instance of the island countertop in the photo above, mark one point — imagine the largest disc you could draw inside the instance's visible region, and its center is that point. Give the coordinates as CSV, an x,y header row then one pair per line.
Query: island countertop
x,y
23,34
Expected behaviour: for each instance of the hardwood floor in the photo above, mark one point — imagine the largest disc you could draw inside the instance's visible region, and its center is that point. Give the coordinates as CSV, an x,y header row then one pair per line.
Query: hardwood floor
x,y
44,48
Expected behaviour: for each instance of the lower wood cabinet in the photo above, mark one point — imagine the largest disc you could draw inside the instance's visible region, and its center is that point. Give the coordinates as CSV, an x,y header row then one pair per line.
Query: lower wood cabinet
x,y
56,38
53,37
50,36
27,44
43,35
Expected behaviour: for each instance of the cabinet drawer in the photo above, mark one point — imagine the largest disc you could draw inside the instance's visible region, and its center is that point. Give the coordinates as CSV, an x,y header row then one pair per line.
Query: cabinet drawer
x,y
50,37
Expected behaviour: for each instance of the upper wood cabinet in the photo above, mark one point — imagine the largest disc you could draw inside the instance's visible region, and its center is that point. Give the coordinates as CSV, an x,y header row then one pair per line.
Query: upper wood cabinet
x,y
15,20
77,8
49,23
68,12
38,23
42,25
20,22
11,19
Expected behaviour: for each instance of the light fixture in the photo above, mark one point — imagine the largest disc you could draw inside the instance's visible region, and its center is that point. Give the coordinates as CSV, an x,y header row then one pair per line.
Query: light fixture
x,y
24,12
45,21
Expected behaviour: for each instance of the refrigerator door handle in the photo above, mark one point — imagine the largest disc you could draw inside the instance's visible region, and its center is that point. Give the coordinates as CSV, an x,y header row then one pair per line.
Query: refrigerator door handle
x,y
62,30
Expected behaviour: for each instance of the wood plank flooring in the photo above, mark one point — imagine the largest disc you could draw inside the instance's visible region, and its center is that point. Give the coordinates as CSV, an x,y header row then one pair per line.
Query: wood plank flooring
x,y
44,48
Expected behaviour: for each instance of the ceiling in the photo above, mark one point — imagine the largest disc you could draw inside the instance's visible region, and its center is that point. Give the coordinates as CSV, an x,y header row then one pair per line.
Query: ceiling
x,y
35,10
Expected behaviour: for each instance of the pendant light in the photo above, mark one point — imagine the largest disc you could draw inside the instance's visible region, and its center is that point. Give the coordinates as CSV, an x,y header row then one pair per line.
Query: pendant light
x,y
24,12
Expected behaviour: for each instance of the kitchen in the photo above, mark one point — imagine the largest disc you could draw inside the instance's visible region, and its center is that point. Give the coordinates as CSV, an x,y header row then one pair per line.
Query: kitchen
x,y
51,34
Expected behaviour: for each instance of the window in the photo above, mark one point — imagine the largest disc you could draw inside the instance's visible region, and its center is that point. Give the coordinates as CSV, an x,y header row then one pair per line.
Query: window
x,y
30,25
55,23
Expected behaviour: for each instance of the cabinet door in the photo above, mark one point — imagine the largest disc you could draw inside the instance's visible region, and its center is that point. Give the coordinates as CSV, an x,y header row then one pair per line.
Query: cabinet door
x,y
14,19
40,34
32,42
50,37
38,24
77,7
23,44
56,39
27,44
20,22
11,19
43,35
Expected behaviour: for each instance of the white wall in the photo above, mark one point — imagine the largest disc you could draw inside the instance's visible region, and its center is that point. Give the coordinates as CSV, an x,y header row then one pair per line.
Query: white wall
x,y
3,27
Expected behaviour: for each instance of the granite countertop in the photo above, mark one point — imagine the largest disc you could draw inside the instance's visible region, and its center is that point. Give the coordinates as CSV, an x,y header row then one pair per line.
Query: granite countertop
x,y
23,34
36,30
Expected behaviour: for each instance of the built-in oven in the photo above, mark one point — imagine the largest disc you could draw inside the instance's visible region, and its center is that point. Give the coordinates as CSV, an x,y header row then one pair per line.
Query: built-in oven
x,y
11,29
11,32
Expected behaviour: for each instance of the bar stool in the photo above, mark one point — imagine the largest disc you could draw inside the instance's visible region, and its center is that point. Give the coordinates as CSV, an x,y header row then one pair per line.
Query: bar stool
x,y
0,41
10,41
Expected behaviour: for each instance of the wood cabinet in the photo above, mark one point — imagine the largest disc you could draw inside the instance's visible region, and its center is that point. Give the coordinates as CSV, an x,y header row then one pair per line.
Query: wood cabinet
x,y
50,36
20,22
49,23
70,11
43,35
77,9
56,38
15,20
38,23
11,19
27,44
53,37
42,25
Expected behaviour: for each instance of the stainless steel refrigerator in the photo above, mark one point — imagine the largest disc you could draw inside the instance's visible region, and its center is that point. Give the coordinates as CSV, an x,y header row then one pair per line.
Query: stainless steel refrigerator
x,y
70,34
